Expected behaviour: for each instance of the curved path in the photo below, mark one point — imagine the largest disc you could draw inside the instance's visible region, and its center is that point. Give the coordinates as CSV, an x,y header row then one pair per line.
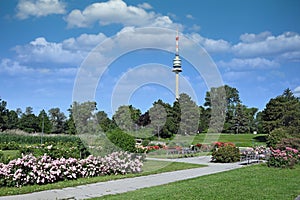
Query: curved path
x,y
129,184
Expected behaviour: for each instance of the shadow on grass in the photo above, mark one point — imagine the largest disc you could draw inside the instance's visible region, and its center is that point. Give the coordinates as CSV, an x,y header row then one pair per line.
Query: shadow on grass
x,y
261,138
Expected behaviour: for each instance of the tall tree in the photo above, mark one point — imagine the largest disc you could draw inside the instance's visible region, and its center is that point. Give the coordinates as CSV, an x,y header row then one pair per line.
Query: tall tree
x,y
105,123
126,117
58,120
3,115
282,112
189,115
218,103
158,117
203,119
239,121
84,116
45,124
12,120
29,123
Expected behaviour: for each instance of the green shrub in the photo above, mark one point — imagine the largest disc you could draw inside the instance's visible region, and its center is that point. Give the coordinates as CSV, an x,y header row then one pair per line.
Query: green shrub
x,y
145,142
122,140
226,154
56,150
276,136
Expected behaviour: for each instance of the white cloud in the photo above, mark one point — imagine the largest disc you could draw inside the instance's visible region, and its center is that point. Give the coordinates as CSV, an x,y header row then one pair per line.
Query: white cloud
x,y
265,44
14,68
189,16
10,67
116,12
297,91
211,45
250,63
40,50
195,28
71,51
145,6
83,42
251,38
39,8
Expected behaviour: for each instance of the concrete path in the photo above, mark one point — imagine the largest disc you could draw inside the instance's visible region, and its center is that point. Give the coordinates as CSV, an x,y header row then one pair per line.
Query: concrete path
x,y
129,184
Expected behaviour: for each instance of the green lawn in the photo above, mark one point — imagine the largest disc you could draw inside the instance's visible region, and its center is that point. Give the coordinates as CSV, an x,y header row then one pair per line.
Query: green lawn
x,y
150,167
240,140
253,182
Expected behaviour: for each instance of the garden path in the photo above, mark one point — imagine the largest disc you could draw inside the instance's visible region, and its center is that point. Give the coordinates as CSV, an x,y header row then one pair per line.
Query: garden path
x,y
129,184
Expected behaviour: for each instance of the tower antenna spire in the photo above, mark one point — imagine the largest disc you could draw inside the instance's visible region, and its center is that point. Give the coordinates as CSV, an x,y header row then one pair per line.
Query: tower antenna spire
x,y
177,43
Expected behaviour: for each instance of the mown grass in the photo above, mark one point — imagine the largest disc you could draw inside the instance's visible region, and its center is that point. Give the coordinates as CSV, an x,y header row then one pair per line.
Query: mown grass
x,y
240,140
150,167
254,182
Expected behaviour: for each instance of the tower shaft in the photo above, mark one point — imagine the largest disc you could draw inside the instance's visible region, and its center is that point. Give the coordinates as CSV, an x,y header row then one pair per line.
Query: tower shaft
x,y
177,85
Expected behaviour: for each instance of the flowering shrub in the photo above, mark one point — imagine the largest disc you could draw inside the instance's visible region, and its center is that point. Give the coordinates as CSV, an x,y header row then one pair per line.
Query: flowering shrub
x,y
44,169
259,152
222,144
284,158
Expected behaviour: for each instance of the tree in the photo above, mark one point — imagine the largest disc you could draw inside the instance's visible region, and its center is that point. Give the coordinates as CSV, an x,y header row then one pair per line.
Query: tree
x,y
29,110
3,115
104,122
239,121
126,118
158,117
144,119
58,120
189,115
203,119
84,116
282,112
216,102
44,122
29,123
12,120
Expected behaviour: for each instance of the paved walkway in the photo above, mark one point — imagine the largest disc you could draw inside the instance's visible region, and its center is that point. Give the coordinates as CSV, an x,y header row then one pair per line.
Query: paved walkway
x,y
129,184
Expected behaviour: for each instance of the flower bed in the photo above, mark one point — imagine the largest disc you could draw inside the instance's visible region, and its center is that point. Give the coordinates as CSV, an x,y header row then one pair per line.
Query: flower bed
x,y
44,169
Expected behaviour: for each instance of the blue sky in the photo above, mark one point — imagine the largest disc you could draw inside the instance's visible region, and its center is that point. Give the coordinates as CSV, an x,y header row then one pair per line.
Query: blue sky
x,y
46,50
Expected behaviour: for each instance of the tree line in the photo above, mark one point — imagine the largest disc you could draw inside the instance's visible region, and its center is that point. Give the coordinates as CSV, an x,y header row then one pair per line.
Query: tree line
x,y
222,111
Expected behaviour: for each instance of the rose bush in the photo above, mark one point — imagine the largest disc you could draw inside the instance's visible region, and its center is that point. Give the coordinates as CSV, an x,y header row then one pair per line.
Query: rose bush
x,y
42,170
284,158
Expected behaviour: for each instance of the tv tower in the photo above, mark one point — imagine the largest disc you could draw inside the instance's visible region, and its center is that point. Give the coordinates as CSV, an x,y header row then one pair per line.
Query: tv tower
x,y
177,67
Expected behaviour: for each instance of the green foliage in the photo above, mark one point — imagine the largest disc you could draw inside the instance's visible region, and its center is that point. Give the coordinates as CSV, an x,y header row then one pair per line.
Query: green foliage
x,y
56,150
189,118
282,112
226,154
44,122
61,145
8,155
126,117
158,117
29,123
276,136
3,115
122,140
58,120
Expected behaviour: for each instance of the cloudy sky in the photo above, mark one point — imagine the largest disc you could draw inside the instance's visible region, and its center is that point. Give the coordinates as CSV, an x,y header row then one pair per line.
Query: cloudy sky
x,y
53,52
